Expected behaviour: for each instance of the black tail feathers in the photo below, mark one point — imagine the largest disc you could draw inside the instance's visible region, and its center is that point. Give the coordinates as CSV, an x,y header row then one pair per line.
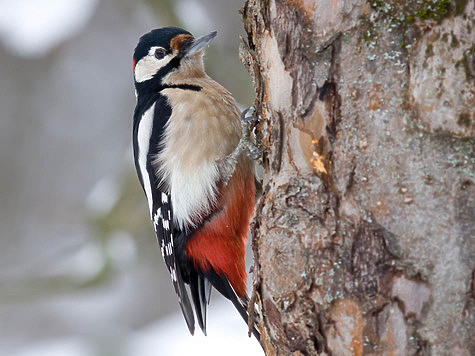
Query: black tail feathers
x,y
199,288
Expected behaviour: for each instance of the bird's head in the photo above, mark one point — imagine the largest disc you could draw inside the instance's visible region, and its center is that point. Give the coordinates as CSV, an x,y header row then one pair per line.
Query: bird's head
x,y
166,56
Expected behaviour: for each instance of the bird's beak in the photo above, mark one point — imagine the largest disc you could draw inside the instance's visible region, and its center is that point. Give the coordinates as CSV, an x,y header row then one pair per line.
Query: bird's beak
x,y
199,43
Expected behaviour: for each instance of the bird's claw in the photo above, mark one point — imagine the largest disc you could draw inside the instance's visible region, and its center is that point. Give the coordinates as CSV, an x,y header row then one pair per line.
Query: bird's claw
x,y
247,117
255,155
254,152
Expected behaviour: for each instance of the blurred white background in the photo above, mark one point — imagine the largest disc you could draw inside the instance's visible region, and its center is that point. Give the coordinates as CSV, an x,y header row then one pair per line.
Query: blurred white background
x,y
80,271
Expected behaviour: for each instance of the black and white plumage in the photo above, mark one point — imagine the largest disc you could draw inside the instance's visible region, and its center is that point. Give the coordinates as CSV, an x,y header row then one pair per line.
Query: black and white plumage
x,y
150,117
190,162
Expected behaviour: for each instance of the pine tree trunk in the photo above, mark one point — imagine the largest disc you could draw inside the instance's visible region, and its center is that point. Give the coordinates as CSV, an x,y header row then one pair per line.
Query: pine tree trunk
x,y
363,237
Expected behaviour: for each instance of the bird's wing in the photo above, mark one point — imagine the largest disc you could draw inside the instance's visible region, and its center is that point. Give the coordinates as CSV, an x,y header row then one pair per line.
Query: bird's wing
x,y
150,117
163,224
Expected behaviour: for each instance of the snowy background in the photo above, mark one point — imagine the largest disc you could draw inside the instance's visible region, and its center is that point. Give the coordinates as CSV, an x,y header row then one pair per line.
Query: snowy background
x,y
80,272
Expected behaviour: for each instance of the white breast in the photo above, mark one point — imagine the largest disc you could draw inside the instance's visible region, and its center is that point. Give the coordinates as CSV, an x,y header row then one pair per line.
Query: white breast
x,y
201,131
188,163
192,186
193,194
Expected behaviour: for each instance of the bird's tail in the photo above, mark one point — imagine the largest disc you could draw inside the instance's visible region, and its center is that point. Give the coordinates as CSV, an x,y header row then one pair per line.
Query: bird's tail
x,y
225,288
198,287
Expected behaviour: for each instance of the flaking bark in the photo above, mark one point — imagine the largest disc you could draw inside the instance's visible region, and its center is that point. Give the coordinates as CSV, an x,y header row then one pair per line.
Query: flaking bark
x,y
363,237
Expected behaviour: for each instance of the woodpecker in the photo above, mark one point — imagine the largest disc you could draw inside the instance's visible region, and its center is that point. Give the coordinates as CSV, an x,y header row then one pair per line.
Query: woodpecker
x,y
190,143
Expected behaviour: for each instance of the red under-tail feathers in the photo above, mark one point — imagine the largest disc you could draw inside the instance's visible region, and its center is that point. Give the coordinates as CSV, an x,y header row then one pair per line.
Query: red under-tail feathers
x,y
220,242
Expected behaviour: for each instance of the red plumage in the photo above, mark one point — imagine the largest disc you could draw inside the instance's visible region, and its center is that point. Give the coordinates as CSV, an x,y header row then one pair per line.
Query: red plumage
x,y
220,242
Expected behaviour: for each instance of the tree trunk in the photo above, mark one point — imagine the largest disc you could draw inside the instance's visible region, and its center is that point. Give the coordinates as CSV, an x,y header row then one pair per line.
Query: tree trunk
x,y
363,237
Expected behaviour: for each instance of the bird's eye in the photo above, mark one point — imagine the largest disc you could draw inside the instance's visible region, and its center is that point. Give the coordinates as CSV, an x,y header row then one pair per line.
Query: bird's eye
x,y
160,53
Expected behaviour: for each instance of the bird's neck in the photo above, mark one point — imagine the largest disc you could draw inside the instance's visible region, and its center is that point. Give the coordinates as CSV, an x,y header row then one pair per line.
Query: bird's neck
x,y
190,68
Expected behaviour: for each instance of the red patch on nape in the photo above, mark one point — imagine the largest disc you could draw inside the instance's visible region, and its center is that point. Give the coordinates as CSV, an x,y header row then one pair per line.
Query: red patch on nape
x,y
220,242
177,41
133,65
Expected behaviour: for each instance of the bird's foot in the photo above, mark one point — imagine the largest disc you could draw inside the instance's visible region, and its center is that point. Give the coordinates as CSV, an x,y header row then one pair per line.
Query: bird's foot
x,y
248,118
228,164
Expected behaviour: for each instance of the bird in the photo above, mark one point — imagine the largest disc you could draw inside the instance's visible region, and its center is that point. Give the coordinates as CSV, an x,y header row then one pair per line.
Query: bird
x,y
194,160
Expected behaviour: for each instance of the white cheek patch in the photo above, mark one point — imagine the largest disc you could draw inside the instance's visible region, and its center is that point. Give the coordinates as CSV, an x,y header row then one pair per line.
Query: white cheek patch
x,y
148,66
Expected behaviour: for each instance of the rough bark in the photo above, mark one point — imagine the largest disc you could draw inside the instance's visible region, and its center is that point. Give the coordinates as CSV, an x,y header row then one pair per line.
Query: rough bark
x,y
363,237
